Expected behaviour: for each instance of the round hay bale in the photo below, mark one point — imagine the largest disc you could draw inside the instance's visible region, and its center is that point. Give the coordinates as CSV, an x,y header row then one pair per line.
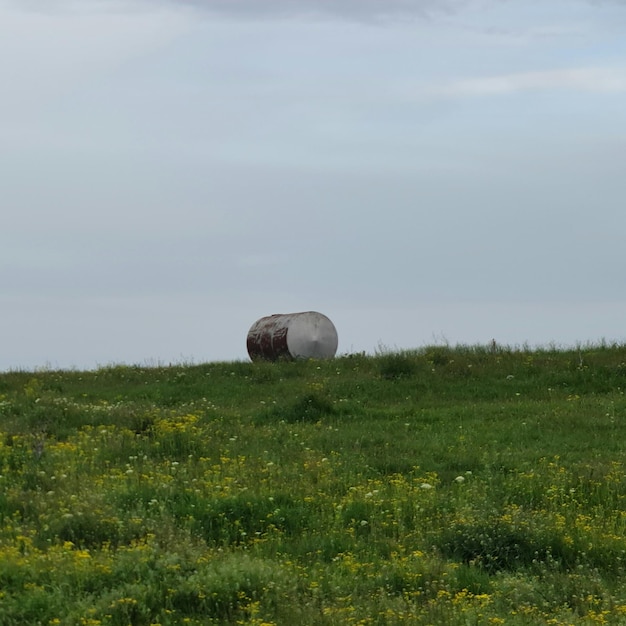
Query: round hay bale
x,y
307,335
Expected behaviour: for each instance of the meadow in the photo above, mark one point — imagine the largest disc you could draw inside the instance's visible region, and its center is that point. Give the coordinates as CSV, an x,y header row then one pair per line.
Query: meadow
x,y
444,486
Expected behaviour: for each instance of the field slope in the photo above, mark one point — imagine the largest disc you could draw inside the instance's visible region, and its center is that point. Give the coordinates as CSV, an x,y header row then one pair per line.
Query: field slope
x,y
444,486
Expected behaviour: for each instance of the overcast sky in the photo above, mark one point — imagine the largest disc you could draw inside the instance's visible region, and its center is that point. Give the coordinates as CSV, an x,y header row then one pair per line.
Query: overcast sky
x,y
420,171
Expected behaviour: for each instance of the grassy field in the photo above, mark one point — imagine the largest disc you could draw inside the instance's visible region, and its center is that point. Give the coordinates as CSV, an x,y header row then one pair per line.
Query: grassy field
x,y
446,486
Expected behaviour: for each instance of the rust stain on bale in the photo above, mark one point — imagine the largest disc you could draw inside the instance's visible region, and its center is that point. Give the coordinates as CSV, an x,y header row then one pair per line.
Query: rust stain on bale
x,y
267,339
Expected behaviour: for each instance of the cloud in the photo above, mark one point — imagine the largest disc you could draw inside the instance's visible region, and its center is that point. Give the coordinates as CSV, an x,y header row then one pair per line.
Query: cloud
x,y
595,80
256,9
353,10
358,9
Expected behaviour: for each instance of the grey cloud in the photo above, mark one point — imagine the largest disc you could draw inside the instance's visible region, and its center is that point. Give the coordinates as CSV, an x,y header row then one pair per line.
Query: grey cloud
x,y
356,9
255,9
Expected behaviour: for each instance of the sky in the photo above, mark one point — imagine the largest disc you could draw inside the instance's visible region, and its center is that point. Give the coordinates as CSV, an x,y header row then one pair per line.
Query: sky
x,y
420,171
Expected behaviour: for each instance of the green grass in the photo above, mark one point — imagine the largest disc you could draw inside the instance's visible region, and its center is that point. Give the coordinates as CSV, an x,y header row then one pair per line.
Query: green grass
x,y
468,485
